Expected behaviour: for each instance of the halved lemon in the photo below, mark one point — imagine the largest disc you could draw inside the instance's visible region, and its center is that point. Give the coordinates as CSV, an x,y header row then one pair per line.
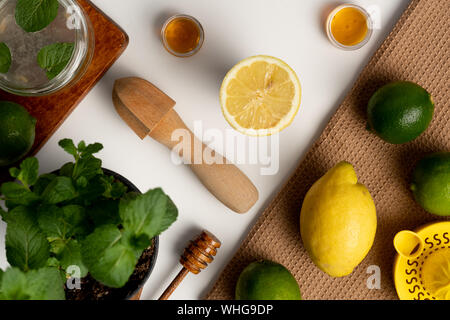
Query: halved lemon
x,y
260,96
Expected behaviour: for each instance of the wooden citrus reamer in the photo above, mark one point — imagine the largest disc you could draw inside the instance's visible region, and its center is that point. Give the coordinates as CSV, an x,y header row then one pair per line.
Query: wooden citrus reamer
x,y
149,111
198,254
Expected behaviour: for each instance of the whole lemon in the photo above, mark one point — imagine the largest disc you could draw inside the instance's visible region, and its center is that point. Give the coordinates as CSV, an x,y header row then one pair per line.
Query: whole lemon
x,y
338,221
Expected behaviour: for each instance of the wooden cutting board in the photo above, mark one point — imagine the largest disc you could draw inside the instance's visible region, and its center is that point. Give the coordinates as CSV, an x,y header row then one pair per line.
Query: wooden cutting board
x,y
51,111
416,50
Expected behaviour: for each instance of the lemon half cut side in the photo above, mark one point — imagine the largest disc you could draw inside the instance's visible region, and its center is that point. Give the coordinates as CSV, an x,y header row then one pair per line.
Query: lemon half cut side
x,y
260,96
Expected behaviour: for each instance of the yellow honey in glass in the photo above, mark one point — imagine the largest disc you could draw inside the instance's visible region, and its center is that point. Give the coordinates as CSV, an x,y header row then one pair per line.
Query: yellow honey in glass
x,y
182,35
349,27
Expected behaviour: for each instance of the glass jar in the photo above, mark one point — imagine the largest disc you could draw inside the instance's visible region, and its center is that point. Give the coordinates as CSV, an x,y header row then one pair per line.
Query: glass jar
x,y
348,16
25,77
182,35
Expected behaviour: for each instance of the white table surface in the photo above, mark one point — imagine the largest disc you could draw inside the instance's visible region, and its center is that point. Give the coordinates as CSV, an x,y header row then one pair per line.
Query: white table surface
x,y
291,30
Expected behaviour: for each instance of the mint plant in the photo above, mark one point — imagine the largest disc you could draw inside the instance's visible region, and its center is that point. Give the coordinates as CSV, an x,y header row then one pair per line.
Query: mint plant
x,y
77,216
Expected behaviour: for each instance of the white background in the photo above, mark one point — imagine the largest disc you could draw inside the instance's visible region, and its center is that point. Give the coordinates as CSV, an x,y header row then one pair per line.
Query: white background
x,y
291,30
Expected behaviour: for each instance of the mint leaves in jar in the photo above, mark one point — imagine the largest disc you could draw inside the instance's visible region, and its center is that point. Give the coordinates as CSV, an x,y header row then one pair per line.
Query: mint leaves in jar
x,y
37,43
5,58
35,15
54,58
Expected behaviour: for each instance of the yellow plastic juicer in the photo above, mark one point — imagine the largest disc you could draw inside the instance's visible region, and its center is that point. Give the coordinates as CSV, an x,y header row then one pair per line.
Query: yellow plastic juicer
x,y
422,264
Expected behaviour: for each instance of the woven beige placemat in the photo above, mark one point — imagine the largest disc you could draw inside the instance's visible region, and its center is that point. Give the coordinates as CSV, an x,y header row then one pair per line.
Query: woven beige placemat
x,y
416,50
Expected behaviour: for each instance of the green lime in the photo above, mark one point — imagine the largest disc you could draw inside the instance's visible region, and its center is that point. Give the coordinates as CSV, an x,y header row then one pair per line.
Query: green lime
x,y
267,280
400,111
431,183
17,131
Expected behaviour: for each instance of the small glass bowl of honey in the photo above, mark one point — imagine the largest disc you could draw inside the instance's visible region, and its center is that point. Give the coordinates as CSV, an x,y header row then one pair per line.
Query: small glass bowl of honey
x,y
349,27
182,35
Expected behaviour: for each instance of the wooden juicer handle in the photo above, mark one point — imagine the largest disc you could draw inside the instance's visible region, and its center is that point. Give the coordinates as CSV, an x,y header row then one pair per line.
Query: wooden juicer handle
x,y
223,179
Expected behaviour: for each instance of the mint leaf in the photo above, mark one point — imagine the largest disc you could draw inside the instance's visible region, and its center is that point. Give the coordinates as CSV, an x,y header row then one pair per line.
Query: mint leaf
x,y
87,166
45,284
14,172
71,256
35,15
150,213
42,182
54,58
16,195
91,149
61,223
41,284
109,260
57,245
116,266
138,243
93,191
113,189
74,217
81,146
69,147
28,173
12,190
5,58
67,169
118,190
59,190
53,262
104,212
13,286
81,182
51,222
26,246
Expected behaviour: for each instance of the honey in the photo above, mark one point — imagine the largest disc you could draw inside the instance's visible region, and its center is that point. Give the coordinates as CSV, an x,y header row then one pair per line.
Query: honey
x,y
182,35
349,27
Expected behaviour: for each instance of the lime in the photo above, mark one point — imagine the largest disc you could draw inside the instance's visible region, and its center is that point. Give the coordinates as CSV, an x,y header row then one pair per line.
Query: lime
x,y
400,111
17,131
267,280
431,183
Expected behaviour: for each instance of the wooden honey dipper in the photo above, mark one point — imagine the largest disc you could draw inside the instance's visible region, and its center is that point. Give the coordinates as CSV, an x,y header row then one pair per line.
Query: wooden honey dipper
x,y
198,254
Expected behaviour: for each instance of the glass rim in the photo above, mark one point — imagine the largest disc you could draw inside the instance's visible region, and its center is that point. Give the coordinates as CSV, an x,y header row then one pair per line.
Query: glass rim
x,y
359,44
200,41
73,70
